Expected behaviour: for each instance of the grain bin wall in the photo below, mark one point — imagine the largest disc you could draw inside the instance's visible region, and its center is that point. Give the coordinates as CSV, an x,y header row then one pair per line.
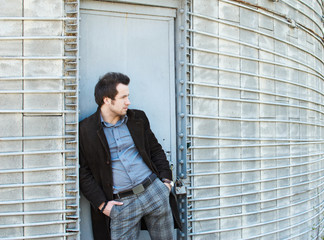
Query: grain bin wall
x,y
38,127
250,86
254,115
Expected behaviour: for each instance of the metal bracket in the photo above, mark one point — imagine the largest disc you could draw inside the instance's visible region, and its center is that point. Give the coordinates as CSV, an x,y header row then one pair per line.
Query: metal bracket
x,y
181,190
292,22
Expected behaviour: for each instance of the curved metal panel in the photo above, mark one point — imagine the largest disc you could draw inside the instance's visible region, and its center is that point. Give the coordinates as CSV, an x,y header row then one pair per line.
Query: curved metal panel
x,y
39,193
256,153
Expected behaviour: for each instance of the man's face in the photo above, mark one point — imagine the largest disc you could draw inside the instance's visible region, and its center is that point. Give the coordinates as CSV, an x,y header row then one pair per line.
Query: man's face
x,y
119,106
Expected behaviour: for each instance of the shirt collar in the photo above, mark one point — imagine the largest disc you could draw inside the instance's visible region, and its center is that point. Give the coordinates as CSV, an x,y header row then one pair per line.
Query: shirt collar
x,y
119,123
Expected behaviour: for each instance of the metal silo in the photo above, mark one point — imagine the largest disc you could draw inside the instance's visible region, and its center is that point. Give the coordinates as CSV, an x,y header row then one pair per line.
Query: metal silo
x,y
249,84
251,129
39,191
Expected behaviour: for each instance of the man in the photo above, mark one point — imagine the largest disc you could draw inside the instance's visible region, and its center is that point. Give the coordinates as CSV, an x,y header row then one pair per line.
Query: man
x,y
124,172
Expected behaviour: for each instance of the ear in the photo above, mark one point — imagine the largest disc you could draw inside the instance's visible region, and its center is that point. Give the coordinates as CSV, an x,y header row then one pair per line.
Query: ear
x,y
107,100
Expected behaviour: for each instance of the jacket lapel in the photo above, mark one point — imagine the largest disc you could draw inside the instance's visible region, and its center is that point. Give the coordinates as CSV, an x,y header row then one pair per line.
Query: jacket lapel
x,y
102,136
104,142
136,129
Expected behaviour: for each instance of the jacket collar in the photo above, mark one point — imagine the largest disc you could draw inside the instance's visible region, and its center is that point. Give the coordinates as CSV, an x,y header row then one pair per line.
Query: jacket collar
x,y
130,114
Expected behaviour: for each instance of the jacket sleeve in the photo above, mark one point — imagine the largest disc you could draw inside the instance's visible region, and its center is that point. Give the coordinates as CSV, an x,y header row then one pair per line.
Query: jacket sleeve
x,y
158,156
88,185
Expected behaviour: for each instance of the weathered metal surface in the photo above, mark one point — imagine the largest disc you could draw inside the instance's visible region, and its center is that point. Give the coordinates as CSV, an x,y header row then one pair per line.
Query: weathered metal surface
x,y
255,164
250,145
39,114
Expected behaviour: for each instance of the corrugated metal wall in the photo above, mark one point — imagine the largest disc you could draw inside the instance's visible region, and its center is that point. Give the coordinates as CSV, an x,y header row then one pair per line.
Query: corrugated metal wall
x,y
250,113
38,128
255,93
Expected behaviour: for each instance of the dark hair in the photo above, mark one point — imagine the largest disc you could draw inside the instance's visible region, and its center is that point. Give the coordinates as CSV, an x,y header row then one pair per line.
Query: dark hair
x,y
106,86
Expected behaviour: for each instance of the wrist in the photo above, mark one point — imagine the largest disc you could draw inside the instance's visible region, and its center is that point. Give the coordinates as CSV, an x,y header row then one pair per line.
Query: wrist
x,y
168,181
103,206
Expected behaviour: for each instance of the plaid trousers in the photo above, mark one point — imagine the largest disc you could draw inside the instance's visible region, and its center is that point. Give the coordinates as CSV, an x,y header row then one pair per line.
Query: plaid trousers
x,y
153,205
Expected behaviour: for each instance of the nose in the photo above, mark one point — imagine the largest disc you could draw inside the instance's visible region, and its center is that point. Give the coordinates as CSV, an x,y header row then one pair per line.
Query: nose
x,y
128,102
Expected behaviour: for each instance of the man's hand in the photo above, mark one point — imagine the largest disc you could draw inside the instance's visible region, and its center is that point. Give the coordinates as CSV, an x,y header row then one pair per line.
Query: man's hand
x,y
109,206
168,185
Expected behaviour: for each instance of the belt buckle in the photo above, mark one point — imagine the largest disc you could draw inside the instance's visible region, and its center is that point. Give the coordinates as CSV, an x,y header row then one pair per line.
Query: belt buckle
x,y
138,189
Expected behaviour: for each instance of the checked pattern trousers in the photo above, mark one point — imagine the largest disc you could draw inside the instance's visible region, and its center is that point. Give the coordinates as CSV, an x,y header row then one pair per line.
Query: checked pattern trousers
x,y
152,205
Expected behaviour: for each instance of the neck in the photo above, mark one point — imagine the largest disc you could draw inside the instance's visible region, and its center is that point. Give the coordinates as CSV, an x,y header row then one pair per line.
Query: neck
x,y
108,117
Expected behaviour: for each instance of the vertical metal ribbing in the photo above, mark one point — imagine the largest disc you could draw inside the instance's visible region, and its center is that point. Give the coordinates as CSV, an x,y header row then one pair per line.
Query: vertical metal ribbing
x,y
183,108
71,49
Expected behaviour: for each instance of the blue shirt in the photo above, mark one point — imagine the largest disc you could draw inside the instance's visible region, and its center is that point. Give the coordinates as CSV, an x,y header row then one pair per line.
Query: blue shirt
x,y
128,167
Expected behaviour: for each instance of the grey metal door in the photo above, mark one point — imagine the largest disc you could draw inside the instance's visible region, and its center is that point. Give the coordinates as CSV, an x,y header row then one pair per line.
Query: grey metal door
x,y
138,41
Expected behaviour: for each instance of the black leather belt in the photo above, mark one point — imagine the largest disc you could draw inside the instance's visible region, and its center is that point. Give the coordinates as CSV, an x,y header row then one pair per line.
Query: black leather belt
x,y
138,189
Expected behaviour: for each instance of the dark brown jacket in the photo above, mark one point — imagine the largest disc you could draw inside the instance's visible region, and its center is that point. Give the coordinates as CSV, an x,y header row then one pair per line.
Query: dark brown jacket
x,y
95,167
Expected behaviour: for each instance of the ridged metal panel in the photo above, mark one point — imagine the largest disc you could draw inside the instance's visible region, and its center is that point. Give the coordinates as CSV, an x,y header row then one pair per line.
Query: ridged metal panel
x,y
255,101
39,193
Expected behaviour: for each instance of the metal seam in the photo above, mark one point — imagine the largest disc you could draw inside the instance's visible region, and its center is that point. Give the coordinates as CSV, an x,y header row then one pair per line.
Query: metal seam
x,y
256,91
